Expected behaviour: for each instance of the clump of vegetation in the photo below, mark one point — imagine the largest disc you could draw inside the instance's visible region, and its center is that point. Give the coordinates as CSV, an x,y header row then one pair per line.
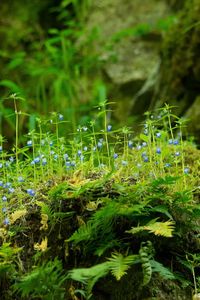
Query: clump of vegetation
x,y
96,204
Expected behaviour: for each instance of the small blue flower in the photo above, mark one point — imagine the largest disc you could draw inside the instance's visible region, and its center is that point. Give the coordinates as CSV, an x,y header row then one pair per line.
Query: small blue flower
x,y
144,154
115,155
124,163
144,144
36,160
109,127
11,159
177,153
94,149
1,148
1,165
158,150
6,221
79,152
44,161
82,158
175,142
145,131
145,158
67,164
158,134
55,157
29,143
99,145
66,156
130,144
4,198
167,165
85,148
11,190
7,184
139,147
85,128
31,192
60,117
51,143
4,209
186,171
170,142
20,179
1,183
73,163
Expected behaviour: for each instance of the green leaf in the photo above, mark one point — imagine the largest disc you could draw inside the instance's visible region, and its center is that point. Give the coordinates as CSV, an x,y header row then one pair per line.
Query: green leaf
x,y
164,272
119,264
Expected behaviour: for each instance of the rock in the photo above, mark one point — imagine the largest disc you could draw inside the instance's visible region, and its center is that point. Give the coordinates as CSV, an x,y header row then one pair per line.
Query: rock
x,y
129,42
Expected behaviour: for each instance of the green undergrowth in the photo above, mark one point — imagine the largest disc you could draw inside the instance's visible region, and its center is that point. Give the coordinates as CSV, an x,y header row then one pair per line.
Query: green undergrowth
x,y
83,212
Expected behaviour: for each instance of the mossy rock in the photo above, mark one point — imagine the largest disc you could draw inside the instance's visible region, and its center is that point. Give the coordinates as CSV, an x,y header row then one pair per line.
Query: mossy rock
x,y
180,68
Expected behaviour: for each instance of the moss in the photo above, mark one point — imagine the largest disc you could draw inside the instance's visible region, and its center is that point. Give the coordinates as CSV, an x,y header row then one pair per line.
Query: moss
x,y
180,69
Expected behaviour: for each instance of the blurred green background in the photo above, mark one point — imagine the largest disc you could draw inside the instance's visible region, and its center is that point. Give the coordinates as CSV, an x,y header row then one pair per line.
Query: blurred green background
x,y
69,55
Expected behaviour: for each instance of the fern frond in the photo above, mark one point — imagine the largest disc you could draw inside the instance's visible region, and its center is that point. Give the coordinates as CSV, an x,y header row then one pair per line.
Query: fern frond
x,y
118,264
85,274
158,228
43,282
164,272
83,233
161,228
17,215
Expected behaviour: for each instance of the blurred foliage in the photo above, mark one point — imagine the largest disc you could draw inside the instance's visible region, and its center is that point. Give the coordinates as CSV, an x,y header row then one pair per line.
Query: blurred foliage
x,y
51,59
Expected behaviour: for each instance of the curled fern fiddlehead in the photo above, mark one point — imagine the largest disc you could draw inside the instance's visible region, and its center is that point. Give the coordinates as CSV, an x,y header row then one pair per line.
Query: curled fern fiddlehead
x,y
145,253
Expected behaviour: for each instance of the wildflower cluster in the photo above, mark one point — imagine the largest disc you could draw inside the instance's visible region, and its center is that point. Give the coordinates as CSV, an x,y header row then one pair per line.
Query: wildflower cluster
x,y
158,150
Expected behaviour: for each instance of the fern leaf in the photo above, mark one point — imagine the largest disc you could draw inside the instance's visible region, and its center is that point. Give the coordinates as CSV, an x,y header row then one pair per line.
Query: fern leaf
x,y
161,228
158,228
17,215
119,264
85,274
164,272
83,233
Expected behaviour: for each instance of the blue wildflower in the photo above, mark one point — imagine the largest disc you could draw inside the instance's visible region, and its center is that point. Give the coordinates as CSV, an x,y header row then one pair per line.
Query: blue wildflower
x,y
99,145
36,160
60,117
145,158
176,142
186,171
85,128
158,150
4,198
177,153
44,161
130,144
31,192
109,127
158,134
20,179
6,221
124,163
115,155
167,165
29,143
79,152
